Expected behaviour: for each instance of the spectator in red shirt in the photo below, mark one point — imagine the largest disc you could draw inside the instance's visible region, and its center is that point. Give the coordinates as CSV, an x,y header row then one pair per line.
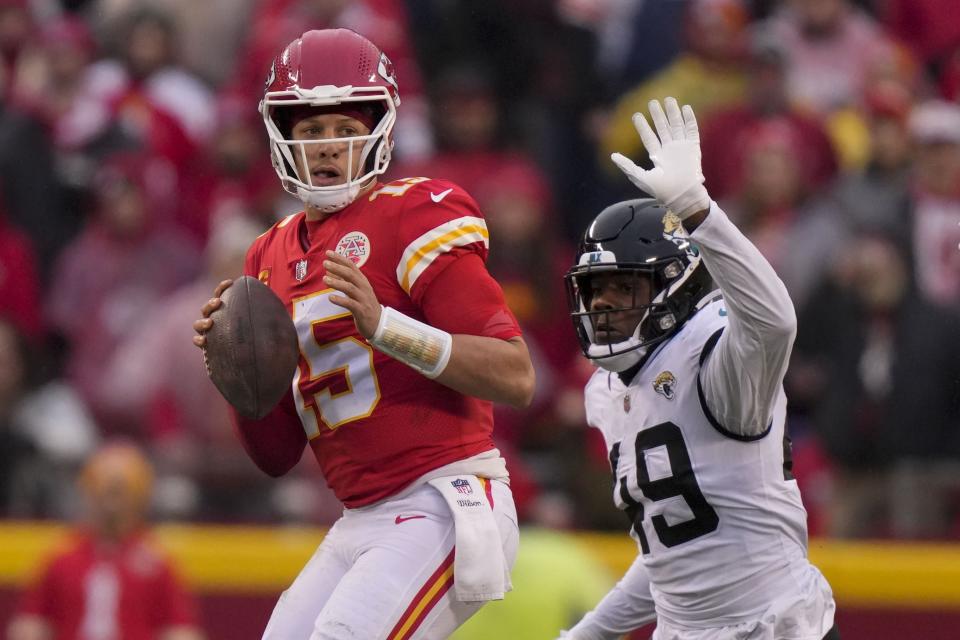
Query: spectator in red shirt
x,y
470,128
145,69
19,282
726,131
124,260
110,581
833,49
934,128
233,178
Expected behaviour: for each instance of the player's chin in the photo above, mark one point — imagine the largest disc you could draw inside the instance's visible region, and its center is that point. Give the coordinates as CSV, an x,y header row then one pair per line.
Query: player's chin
x,y
608,337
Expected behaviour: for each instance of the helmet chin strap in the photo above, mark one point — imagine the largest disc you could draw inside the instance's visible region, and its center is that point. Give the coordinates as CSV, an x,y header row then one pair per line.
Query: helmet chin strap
x,y
617,356
329,200
626,354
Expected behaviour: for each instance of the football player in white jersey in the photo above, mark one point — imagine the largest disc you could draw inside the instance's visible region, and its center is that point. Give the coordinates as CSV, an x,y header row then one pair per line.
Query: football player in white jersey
x,y
691,330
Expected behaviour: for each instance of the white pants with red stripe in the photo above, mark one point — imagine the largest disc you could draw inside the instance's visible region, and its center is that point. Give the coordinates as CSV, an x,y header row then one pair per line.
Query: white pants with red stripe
x,y
386,572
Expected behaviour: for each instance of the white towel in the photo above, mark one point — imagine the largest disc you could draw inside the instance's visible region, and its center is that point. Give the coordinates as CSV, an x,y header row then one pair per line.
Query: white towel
x,y
480,570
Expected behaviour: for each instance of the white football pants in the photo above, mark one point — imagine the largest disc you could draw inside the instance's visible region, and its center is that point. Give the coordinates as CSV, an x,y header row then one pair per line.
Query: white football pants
x,y
386,573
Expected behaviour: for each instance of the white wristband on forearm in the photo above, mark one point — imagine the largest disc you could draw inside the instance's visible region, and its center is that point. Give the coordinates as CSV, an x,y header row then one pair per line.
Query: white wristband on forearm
x,y
414,343
692,200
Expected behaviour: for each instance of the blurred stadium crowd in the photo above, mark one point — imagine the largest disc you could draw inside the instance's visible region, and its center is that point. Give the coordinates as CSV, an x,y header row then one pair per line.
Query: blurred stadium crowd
x,y
134,173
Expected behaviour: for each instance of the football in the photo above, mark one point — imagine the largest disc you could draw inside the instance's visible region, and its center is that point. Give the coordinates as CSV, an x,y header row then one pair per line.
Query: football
x,y
252,348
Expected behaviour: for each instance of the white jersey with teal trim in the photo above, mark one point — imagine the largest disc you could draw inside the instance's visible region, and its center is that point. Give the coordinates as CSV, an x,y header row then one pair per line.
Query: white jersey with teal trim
x,y
716,513
717,516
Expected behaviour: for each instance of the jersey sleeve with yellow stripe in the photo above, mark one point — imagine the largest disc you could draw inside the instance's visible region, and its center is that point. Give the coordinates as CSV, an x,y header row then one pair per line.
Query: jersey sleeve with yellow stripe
x,y
440,223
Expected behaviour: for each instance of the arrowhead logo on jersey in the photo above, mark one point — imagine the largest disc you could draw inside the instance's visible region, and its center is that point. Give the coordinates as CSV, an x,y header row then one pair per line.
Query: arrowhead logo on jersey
x,y
664,384
355,246
301,270
461,485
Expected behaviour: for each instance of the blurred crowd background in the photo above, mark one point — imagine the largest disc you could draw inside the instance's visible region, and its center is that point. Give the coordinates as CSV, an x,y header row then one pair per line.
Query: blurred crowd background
x,y
134,173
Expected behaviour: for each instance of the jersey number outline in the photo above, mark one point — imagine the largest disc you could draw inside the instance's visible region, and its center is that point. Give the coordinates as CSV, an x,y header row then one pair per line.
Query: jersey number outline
x,y
343,384
396,188
682,482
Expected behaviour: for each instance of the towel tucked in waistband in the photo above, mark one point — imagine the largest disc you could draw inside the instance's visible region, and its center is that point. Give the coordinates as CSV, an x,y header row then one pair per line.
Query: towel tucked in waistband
x,y
480,570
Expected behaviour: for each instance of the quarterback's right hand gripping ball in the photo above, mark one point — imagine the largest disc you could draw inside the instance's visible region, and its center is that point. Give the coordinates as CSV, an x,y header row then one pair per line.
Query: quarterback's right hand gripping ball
x,y
251,349
676,179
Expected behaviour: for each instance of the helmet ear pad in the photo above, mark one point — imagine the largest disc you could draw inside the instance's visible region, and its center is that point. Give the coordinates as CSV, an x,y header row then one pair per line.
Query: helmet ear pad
x,y
679,306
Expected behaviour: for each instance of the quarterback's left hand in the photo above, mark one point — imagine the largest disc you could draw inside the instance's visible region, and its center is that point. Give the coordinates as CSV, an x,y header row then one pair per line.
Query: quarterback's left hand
x,y
358,296
676,179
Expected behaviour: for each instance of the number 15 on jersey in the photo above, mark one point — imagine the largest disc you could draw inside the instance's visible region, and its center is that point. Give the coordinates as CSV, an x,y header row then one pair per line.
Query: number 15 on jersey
x,y
340,384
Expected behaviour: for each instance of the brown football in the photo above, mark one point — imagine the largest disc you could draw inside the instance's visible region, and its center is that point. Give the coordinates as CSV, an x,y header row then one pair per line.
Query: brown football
x,y
252,349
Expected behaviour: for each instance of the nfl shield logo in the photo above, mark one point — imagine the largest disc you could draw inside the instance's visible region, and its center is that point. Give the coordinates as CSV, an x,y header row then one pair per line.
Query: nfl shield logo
x,y
461,485
301,271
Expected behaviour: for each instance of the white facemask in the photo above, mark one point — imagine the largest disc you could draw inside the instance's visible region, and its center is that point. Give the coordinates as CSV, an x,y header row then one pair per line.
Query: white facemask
x,y
377,144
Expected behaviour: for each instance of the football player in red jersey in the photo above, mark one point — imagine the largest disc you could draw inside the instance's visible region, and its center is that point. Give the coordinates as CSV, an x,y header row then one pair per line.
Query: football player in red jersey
x,y
405,340
109,580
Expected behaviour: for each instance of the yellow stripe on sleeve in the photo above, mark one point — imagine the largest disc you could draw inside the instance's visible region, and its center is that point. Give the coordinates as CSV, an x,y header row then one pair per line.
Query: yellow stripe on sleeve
x,y
420,253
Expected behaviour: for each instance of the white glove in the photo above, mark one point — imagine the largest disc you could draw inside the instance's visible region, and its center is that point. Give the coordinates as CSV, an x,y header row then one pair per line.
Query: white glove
x,y
676,179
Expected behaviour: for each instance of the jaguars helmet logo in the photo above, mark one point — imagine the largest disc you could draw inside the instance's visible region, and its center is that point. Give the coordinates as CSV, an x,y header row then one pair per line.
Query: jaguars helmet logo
x,y
665,384
674,232
671,224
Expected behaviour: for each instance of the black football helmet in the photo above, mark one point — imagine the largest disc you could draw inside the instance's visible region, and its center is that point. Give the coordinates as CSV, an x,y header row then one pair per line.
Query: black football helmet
x,y
644,238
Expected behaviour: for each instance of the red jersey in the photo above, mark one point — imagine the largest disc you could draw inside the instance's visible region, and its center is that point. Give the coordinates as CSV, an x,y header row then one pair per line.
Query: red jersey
x,y
375,425
126,593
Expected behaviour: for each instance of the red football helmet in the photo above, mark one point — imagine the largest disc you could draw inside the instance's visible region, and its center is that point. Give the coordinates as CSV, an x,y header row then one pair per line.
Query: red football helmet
x,y
323,68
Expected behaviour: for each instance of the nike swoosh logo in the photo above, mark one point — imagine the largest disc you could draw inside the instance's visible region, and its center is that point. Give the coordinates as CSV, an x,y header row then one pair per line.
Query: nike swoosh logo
x,y
437,197
402,519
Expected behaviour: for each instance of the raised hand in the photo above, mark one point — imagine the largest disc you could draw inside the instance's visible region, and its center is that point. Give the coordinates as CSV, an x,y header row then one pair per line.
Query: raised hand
x,y
676,179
